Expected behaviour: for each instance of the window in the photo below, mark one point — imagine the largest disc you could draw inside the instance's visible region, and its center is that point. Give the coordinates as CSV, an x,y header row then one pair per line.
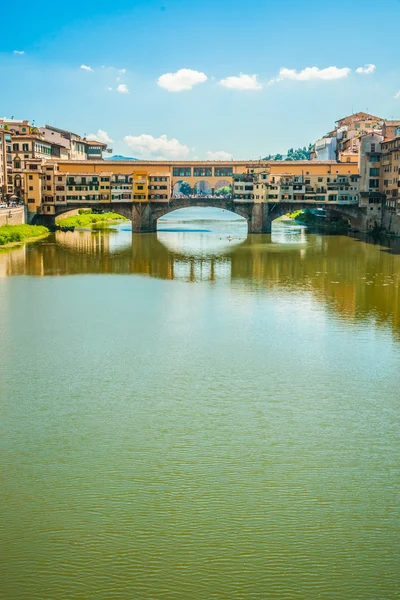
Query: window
x,y
223,171
59,178
373,147
30,176
33,167
25,147
374,183
374,172
15,147
202,172
182,172
31,187
140,187
31,200
48,177
17,164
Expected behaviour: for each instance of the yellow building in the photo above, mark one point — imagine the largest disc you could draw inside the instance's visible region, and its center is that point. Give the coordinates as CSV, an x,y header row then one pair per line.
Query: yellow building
x,y
32,183
307,187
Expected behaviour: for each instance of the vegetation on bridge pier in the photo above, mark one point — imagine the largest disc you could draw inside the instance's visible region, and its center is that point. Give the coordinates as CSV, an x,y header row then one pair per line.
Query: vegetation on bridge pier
x,y
87,218
13,234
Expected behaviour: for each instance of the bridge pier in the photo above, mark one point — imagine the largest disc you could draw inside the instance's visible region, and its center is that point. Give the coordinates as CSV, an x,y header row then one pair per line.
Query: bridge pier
x,y
144,219
144,215
256,214
259,221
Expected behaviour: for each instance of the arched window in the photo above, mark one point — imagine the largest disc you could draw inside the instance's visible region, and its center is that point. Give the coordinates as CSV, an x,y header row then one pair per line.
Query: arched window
x,y
17,181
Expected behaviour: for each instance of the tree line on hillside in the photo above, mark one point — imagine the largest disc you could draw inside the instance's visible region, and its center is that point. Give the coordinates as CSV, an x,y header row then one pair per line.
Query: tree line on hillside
x,y
293,154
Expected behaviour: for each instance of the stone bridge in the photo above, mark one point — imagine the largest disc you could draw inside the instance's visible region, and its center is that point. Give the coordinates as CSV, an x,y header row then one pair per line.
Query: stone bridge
x,y
259,216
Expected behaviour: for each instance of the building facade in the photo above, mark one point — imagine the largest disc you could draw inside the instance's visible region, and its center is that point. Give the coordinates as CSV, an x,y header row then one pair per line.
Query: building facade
x,y
288,187
93,182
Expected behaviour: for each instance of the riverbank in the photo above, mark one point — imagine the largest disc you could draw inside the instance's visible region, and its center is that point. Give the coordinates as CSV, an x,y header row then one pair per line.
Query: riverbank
x,y
88,219
319,224
11,235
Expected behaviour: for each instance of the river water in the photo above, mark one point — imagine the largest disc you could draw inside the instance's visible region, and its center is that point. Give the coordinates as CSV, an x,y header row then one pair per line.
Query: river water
x,y
199,414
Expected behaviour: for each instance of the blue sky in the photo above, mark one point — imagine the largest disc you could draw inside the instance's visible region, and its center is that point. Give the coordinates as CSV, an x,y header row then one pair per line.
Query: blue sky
x,y
226,112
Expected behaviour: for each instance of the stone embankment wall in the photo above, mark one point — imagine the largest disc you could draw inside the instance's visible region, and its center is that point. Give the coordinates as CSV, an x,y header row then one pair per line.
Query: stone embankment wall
x,y
12,216
391,222
375,216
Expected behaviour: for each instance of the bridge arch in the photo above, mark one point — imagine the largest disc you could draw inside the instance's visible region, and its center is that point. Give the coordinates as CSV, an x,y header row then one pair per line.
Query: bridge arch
x,y
51,214
181,188
223,187
244,212
202,188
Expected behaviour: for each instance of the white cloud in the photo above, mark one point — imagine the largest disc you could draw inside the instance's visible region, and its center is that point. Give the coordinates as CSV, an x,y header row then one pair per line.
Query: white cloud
x,y
19,52
219,155
122,88
312,74
242,82
397,95
109,89
123,71
184,79
147,145
86,68
366,70
100,136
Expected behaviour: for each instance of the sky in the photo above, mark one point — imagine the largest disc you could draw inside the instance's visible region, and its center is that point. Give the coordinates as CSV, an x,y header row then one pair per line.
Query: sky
x,y
210,79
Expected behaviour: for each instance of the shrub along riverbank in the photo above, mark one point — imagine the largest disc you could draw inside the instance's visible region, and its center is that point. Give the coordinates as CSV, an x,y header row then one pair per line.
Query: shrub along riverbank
x,y
87,219
10,234
320,224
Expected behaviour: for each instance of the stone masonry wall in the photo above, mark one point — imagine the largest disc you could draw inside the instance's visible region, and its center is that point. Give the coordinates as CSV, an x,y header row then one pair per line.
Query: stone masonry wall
x,y
12,216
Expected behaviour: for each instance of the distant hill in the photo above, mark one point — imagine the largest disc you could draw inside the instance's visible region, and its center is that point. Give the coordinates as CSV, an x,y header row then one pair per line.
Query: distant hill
x,y
119,157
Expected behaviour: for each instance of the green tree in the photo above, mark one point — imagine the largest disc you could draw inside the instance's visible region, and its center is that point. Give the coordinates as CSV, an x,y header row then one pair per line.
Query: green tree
x,y
185,188
225,190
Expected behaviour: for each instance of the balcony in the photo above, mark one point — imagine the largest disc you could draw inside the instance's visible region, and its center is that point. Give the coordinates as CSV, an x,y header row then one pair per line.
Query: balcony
x,y
241,178
244,198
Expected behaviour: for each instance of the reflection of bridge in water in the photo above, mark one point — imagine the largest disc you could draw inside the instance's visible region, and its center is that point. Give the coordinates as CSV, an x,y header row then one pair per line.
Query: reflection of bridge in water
x,y
356,280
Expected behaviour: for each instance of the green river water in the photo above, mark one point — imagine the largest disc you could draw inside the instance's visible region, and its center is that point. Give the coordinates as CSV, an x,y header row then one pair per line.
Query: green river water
x,y
197,414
